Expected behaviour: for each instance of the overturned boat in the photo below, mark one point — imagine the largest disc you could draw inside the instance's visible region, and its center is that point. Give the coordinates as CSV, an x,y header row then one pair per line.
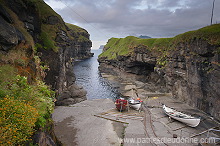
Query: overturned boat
x,y
184,118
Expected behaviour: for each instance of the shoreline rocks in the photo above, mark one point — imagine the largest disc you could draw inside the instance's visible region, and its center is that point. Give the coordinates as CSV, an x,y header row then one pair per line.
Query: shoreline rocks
x,y
72,95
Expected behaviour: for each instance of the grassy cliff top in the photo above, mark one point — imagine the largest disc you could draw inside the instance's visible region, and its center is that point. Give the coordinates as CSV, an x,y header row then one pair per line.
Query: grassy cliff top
x,y
125,46
83,35
209,33
76,28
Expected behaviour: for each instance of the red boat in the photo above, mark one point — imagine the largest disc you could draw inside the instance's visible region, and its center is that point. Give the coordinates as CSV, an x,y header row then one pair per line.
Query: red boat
x,y
121,104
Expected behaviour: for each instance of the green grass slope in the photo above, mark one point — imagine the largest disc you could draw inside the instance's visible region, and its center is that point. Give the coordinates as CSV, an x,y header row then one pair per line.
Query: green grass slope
x,y
126,46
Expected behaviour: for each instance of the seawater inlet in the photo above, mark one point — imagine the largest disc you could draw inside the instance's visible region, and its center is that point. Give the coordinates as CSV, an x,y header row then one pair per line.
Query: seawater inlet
x,y
88,75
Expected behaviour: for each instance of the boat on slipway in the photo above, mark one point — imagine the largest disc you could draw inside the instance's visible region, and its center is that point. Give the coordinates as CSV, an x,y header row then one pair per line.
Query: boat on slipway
x,y
135,103
182,117
121,104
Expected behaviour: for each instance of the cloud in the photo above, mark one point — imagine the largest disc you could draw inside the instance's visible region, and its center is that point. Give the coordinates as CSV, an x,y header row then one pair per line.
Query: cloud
x,y
119,18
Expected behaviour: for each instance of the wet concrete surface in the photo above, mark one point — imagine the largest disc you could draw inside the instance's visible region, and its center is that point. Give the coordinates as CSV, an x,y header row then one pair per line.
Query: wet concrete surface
x,y
91,130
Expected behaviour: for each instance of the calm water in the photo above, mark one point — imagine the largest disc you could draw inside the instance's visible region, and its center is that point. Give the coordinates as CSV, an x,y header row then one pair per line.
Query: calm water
x,y
88,76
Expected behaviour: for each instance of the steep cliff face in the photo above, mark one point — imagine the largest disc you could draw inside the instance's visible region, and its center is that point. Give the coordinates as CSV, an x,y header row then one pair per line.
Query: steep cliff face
x,y
188,64
193,75
46,37
36,43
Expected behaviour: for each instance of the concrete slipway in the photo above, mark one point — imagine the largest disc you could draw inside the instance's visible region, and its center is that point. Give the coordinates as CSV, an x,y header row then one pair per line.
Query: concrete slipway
x,y
97,123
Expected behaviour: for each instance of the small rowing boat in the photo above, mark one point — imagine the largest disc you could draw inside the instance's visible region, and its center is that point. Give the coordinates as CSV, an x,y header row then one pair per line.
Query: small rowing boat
x,y
121,104
184,118
135,103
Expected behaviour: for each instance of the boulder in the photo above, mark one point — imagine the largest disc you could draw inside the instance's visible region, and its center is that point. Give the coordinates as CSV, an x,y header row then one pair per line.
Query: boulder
x,y
76,91
69,101
72,95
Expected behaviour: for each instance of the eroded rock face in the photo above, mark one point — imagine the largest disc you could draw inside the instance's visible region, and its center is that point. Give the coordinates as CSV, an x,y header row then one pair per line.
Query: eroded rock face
x,y
193,75
8,35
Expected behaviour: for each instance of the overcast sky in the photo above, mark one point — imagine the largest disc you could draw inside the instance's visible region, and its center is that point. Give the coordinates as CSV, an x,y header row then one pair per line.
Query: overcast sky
x,y
104,19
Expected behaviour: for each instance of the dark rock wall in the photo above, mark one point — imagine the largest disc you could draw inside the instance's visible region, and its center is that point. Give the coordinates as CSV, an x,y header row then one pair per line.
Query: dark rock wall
x,y
142,63
191,74
10,36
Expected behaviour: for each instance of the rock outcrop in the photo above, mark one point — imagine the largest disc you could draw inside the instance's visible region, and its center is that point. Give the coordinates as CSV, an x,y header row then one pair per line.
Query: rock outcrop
x,y
187,65
10,36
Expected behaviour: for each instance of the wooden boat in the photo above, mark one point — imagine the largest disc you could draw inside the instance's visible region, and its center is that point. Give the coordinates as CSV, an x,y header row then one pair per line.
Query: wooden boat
x,y
184,118
121,104
135,103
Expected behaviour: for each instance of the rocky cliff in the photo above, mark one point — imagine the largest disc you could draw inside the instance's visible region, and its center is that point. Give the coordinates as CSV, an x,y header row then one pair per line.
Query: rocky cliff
x,y
187,65
41,46
33,25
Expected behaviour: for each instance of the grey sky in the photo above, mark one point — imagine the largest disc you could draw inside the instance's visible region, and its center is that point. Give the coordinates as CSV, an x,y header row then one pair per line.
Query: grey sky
x,y
104,19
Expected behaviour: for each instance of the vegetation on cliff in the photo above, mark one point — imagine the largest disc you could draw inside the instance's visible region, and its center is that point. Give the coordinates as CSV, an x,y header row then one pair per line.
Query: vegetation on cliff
x,y
126,46
24,107
79,33
209,33
26,103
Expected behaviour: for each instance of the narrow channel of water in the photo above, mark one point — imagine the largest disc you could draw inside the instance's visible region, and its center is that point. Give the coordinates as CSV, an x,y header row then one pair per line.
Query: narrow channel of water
x,y
88,76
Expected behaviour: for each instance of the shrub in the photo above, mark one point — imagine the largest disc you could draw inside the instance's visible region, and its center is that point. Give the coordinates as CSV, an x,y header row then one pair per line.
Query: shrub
x,y
29,101
17,121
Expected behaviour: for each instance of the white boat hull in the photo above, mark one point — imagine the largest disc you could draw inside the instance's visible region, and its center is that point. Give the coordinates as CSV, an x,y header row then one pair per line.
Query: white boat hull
x,y
184,118
136,106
